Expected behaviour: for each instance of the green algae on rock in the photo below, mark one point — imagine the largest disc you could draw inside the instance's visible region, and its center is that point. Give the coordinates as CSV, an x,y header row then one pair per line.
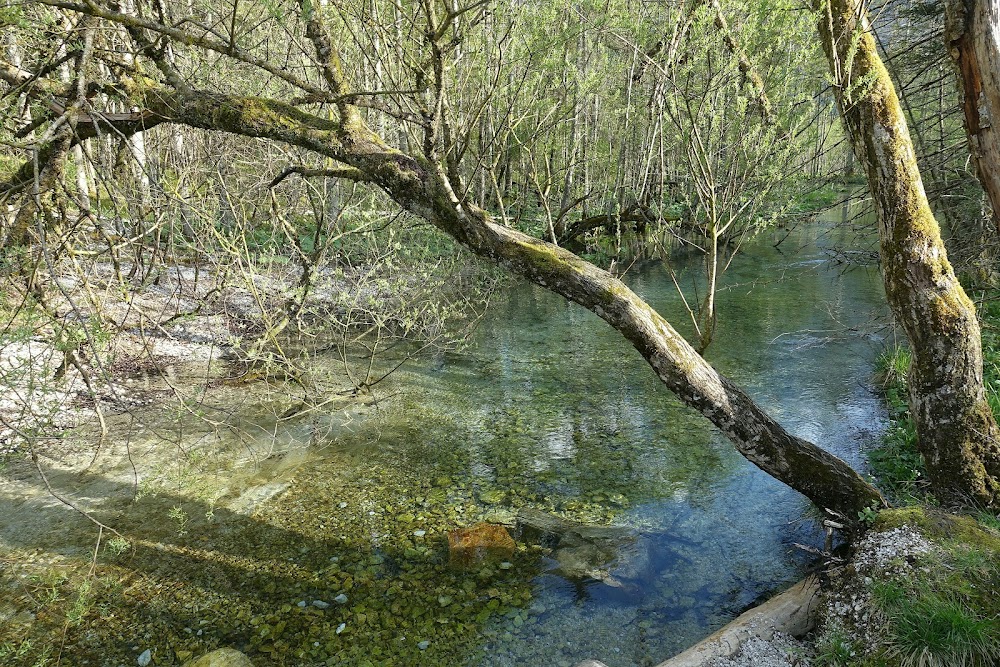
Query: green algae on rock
x,y
224,657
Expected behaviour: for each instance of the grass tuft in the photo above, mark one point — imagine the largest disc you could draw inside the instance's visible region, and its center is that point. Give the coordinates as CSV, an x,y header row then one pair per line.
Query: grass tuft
x,y
935,630
945,612
892,366
835,648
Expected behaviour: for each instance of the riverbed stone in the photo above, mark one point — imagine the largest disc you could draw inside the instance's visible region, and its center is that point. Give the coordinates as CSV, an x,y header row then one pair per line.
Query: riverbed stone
x,y
493,496
479,544
224,657
616,556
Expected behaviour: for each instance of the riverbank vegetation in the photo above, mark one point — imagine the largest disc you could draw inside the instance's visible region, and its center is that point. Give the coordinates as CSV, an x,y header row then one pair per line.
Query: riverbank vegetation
x,y
931,601
205,202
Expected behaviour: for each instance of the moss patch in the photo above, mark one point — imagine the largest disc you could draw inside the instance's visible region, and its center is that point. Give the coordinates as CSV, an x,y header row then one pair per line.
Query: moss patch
x,y
952,530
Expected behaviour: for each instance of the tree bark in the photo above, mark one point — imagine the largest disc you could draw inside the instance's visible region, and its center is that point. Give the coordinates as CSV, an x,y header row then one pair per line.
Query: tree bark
x,y
972,34
956,429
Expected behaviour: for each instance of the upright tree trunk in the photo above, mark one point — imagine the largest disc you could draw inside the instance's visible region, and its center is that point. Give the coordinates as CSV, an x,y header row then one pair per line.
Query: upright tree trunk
x,y
956,430
973,37
23,116
136,145
707,314
77,152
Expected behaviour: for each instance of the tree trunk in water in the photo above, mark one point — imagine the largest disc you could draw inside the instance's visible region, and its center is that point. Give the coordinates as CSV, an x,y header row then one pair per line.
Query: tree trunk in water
x,y
422,188
956,430
707,314
972,34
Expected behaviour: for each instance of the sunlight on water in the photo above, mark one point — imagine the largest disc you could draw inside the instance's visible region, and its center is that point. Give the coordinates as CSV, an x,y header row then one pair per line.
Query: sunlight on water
x,y
324,537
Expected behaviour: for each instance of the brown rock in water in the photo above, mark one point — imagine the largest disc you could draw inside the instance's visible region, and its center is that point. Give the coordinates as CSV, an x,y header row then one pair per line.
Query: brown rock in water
x,y
481,543
224,657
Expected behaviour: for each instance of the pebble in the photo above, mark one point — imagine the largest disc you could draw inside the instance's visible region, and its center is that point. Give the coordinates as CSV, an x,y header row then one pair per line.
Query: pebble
x,y
144,658
757,652
340,599
319,604
423,645
340,628
302,603
420,533
341,505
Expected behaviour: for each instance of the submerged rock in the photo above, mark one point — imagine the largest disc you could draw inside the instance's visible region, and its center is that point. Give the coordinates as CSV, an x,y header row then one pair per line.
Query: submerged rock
x,y
478,544
616,556
494,497
224,657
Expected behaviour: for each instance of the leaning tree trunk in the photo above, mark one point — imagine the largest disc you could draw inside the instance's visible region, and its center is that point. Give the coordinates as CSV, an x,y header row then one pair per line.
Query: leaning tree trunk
x,y
423,189
972,34
956,430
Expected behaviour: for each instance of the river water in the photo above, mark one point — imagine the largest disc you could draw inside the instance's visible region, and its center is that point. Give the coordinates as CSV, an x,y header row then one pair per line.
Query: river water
x,y
551,406
322,540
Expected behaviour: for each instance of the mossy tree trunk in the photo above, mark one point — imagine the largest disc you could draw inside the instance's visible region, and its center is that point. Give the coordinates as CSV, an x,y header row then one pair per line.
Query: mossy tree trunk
x,y
972,33
421,184
956,429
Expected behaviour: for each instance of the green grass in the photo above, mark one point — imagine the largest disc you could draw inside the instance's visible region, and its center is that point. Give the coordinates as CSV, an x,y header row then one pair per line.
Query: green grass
x,y
940,611
835,649
897,465
892,366
988,519
947,615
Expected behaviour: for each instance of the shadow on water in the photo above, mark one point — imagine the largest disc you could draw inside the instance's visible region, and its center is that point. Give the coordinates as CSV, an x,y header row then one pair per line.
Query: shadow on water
x,y
197,576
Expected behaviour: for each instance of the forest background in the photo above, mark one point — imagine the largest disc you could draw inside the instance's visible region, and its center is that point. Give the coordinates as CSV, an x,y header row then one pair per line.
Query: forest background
x,y
289,168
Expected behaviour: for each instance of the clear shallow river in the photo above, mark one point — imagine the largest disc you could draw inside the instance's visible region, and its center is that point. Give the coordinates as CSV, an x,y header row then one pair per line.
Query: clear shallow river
x,y
309,541
550,406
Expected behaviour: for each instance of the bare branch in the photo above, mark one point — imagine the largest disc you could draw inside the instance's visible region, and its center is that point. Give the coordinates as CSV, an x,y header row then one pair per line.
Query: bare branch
x,y
218,46
349,173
